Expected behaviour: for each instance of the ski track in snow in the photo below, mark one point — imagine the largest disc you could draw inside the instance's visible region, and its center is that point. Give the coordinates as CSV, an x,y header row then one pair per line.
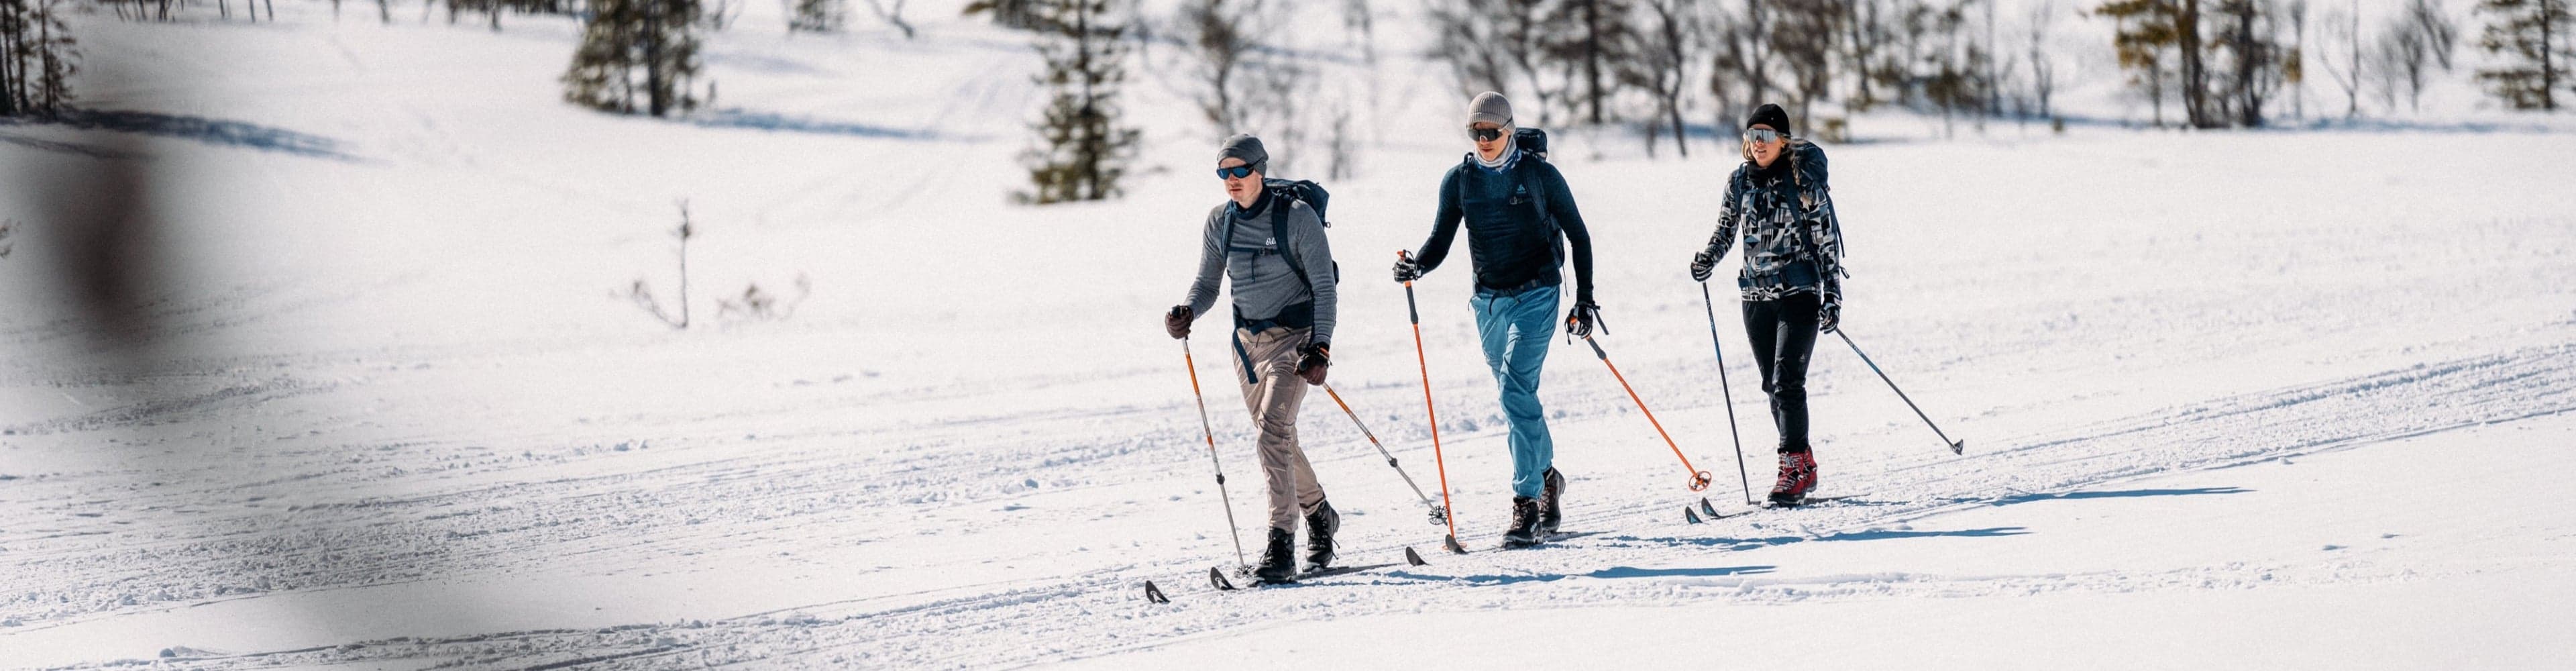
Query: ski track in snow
x,y
1052,616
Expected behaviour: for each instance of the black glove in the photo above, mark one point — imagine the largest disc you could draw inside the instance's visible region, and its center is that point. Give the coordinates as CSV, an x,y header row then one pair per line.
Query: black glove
x,y
1315,357
1829,316
1406,270
1583,319
1702,264
1177,322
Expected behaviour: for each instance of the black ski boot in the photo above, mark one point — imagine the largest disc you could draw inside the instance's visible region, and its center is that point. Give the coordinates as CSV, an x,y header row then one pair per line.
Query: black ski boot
x,y
1524,531
1321,522
1277,566
1549,498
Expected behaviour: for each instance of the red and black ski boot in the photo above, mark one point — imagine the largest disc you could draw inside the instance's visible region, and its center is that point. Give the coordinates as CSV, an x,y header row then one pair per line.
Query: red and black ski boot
x,y
1797,478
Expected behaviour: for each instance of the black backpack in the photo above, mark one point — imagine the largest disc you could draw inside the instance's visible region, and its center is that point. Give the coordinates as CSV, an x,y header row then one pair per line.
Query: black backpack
x,y
1531,140
1286,190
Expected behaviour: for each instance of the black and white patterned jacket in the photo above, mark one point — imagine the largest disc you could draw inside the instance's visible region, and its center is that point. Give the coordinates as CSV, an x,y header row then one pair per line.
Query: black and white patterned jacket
x,y
1792,243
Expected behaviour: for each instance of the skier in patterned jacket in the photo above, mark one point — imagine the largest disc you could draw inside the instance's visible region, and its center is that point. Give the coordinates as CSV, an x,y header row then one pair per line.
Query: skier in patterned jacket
x,y
1792,280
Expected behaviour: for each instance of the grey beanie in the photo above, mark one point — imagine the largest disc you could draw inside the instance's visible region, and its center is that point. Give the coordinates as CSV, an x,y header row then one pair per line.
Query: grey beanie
x,y
1245,146
1489,107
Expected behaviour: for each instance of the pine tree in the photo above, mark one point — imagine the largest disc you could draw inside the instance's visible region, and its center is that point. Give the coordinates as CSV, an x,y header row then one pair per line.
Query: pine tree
x,y
2146,33
1084,150
2245,32
2531,35
623,40
819,16
1587,39
1804,39
37,58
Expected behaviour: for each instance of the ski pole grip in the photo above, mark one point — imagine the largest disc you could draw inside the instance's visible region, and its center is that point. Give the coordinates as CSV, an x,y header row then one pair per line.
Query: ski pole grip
x,y
1410,312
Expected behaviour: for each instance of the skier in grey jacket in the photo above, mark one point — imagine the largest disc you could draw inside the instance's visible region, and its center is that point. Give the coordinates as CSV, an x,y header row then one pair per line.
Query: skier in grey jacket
x,y
1272,247
1792,279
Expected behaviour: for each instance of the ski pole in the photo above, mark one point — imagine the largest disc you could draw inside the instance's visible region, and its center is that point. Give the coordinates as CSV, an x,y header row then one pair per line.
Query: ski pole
x,y
1414,313
1699,478
1438,516
1956,446
1204,427
1729,391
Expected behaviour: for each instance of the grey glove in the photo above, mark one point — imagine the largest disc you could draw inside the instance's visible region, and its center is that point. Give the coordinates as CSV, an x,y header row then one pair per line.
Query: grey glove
x,y
1829,316
1177,322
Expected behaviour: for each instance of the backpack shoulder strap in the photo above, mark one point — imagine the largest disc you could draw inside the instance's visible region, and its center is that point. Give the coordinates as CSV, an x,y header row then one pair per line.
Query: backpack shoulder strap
x,y
1287,246
1528,177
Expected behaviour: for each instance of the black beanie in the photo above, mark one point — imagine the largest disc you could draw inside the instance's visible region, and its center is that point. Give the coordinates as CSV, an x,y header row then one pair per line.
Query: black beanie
x,y
1769,114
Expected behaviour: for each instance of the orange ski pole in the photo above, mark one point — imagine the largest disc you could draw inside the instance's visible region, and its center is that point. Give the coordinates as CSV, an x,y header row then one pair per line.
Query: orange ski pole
x,y
1450,514
1699,478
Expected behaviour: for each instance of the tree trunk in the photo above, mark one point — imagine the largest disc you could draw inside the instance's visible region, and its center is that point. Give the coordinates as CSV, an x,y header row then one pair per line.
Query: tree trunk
x,y
656,85
1759,43
2249,96
2195,76
1592,55
2548,67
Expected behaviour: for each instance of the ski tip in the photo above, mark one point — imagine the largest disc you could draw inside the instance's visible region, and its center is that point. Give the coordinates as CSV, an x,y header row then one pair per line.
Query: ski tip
x,y
1688,514
1711,510
1155,594
1451,542
1216,578
1413,558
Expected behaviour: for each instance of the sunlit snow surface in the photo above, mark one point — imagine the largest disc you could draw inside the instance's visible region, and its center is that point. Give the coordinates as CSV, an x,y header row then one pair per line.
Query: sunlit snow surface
x,y
2231,400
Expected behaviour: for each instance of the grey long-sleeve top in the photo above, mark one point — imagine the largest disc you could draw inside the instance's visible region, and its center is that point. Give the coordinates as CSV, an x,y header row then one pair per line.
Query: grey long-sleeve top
x,y
1264,281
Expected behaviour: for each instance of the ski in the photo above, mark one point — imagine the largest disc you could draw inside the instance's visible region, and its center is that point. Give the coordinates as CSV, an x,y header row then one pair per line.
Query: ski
x,y
1546,540
1223,585
1705,511
1218,580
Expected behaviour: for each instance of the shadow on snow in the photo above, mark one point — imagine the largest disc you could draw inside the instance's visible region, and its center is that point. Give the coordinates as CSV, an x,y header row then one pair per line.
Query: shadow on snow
x,y
781,123
223,132
2116,494
1614,572
1738,544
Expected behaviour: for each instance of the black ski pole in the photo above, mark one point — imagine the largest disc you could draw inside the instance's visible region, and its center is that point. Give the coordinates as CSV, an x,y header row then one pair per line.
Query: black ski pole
x,y
1956,446
1728,390
1438,515
1210,430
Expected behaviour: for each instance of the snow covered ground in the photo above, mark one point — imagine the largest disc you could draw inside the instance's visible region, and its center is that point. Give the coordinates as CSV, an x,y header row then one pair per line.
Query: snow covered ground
x,y
2255,399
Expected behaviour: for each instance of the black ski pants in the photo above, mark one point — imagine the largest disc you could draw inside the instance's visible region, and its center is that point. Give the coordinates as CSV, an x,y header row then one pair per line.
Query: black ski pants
x,y
1783,333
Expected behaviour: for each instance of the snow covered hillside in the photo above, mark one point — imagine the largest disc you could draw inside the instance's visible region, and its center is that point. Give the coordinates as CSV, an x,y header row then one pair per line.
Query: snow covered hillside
x,y
2231,399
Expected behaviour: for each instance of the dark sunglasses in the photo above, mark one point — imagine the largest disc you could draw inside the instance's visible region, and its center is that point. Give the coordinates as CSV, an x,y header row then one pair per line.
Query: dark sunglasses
x,y
1237,172
1485,134
1763,135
